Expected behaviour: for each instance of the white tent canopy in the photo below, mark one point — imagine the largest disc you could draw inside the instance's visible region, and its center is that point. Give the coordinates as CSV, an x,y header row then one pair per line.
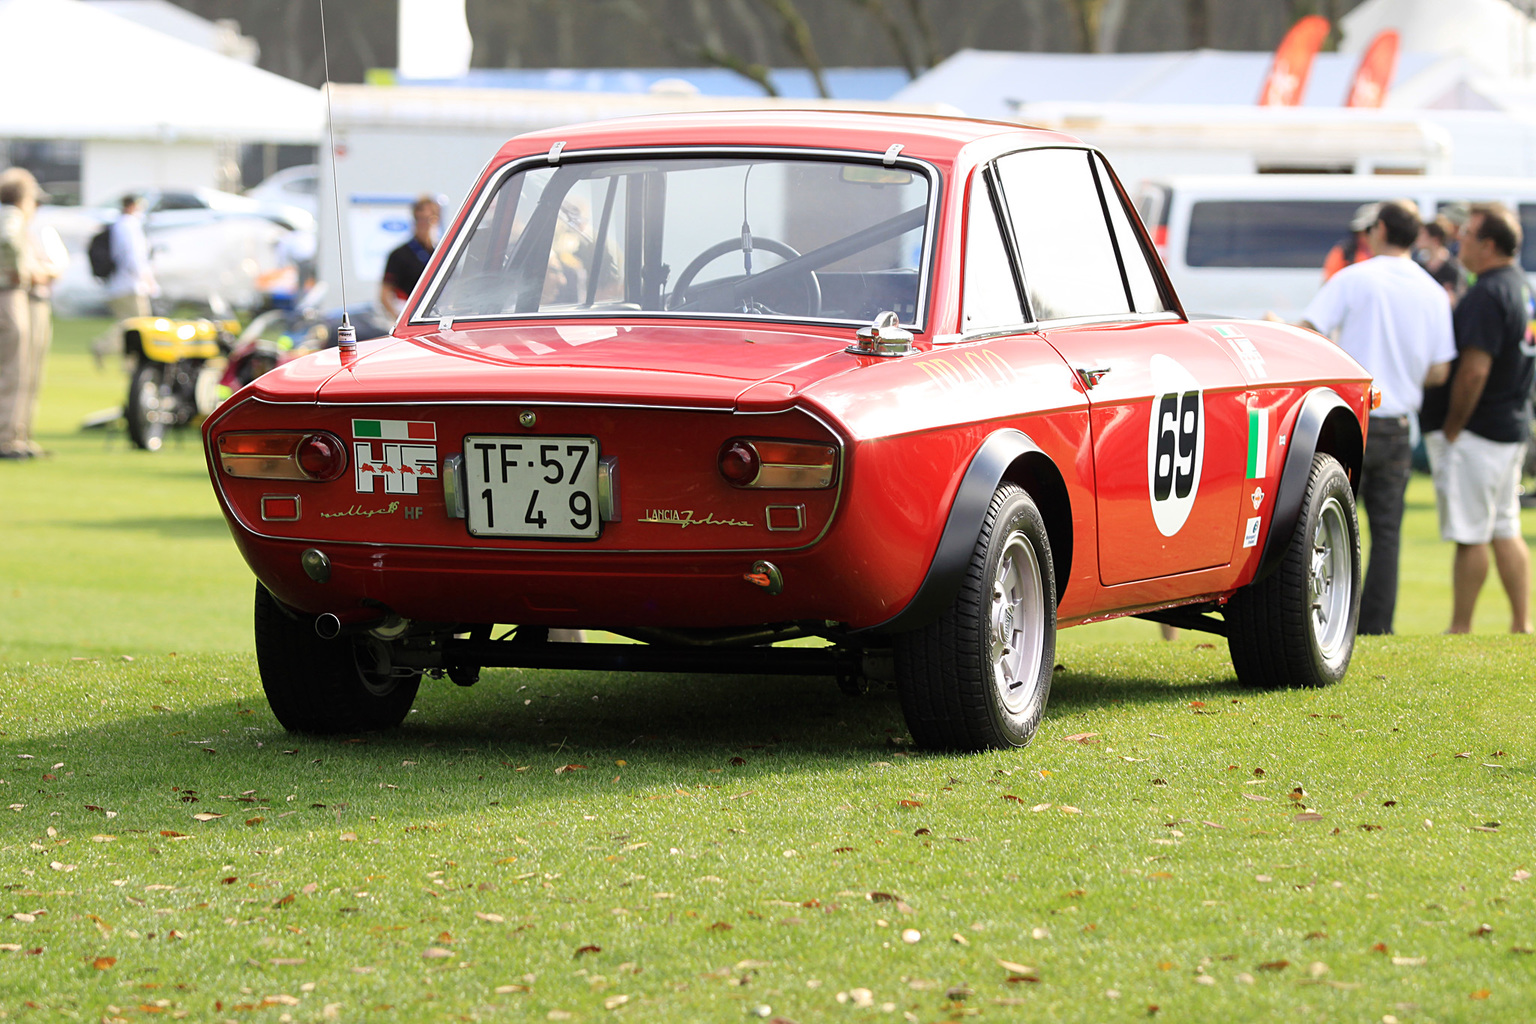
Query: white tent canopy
x,y
75,72
1492,35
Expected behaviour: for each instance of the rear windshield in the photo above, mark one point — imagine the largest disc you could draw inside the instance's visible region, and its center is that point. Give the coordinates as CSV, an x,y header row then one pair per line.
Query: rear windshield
x,y
1266,233
739,236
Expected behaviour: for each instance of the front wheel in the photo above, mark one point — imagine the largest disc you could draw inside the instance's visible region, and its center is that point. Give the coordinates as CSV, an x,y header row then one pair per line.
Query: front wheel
x,y
150,405
1296,627
979,677
327,686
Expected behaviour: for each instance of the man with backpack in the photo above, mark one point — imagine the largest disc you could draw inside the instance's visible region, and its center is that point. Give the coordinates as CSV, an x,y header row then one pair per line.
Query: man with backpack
x,y
130,280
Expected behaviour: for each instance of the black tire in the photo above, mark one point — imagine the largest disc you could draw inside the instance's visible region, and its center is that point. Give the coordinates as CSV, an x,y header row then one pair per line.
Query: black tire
x,y
979,676
327,686
150,404
1296,627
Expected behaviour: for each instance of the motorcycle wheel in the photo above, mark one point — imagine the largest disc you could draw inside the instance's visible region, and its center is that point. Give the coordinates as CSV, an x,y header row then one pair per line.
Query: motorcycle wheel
x,y
150,405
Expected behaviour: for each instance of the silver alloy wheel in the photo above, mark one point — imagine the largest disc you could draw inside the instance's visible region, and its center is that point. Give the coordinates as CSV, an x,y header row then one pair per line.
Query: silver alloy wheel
x,y
1330,581
1014,623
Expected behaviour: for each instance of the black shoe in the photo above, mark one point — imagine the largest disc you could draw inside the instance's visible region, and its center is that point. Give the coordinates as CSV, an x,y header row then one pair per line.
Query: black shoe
x,y
15,453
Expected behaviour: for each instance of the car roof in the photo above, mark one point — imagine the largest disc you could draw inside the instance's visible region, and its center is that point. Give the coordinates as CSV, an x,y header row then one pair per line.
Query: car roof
x,y
924,136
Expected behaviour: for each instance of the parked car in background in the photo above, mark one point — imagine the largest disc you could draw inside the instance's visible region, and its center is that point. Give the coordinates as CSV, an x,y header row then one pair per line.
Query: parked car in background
x,y
916,386
292,186
1255,243
202,242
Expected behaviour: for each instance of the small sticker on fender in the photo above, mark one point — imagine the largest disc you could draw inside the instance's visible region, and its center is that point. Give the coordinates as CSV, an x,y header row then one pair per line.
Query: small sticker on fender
x,y
1251,537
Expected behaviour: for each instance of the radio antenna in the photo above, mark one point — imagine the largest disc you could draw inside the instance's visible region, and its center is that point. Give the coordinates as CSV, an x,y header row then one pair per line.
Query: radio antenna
x,y
346,334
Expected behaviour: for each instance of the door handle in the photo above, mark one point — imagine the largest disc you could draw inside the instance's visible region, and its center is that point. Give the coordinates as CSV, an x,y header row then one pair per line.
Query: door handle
x,y
1091,375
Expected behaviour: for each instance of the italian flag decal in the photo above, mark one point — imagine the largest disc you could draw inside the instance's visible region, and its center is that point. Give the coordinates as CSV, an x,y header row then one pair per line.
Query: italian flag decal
x,y
1258,444
395,430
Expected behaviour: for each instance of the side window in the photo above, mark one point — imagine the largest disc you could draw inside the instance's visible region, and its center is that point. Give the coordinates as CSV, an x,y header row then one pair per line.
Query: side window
x,y
991,297
1066,255
1138,272
1528,237
1291,233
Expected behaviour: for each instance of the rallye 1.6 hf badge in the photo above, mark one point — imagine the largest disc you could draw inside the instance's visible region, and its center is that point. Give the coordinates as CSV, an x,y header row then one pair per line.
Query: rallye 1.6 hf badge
x,y
1175,443
399,452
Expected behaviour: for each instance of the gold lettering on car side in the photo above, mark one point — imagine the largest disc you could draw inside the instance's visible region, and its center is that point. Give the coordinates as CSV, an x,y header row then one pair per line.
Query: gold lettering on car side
x,y
956,370
364,513
684,518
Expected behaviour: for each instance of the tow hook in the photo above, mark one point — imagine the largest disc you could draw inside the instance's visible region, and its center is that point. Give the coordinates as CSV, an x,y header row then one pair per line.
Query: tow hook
x,y
766,575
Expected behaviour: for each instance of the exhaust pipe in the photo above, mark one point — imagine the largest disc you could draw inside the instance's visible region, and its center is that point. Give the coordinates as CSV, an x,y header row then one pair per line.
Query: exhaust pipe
x,y
328,626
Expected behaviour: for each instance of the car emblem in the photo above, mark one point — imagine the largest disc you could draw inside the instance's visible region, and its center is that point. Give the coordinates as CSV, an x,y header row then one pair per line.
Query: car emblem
x,y
685,518
1258,498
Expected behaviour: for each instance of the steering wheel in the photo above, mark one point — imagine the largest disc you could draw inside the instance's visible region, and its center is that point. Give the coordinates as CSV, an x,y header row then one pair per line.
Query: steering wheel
x,y
685,279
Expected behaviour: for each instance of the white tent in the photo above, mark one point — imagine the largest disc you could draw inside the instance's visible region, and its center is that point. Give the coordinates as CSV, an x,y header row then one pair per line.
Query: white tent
x,y
151,109
1492,35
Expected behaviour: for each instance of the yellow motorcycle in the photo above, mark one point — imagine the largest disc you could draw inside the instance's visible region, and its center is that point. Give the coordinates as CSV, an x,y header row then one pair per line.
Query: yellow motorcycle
x,y
174,370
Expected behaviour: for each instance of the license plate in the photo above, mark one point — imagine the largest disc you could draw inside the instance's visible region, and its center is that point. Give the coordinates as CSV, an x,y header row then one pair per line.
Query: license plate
x,y
532,486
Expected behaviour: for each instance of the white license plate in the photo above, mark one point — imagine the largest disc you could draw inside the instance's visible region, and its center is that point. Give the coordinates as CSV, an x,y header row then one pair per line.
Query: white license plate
x,y
529,486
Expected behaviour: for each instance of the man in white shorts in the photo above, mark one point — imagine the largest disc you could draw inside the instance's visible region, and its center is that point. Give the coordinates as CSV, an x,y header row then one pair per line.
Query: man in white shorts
x,y
1395,320
1477,426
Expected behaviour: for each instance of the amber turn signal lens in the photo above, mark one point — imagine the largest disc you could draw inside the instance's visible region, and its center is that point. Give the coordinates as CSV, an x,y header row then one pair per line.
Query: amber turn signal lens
x,y
778,465
282,455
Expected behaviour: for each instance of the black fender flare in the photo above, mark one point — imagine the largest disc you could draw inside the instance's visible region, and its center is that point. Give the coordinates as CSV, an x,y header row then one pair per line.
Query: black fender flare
x,y
990,466
1324,423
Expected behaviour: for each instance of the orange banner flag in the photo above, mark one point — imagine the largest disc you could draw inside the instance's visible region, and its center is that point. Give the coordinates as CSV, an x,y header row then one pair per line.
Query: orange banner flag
x,y
1287,81
1374,75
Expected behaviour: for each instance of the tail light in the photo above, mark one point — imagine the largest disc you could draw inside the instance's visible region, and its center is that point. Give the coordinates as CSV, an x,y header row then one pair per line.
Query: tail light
x,y
282,455
778,465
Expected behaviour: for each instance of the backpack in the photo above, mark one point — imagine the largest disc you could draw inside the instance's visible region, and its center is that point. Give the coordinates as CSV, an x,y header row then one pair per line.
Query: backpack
x,y
103,266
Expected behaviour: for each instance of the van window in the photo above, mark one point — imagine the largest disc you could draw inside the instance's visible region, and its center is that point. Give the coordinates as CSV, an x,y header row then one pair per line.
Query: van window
x,y
991,295
1266,232
1065,253
1528,237
1138,274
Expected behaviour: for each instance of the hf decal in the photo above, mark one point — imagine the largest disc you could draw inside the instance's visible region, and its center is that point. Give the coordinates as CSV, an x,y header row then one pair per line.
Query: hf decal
x,y
398,452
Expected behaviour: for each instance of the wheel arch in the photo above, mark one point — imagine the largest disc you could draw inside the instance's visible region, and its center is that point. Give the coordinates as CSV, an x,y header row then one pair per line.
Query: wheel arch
x,y
1010,456
1324,424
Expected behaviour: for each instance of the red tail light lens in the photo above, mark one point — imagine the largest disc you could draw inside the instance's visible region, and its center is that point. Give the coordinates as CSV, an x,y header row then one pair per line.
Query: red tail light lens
x,y
282,455
778,465
739,463
321,457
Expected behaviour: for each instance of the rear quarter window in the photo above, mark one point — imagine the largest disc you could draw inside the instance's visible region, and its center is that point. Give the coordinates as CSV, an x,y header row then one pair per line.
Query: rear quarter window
x,y
1528,237
1285,233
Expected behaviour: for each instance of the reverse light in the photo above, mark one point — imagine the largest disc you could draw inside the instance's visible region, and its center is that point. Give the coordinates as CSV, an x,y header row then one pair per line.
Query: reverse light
x,y
778,465
282,455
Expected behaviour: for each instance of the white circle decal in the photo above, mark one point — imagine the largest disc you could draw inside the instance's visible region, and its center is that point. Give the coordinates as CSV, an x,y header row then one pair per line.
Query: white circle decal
x,y
1175,443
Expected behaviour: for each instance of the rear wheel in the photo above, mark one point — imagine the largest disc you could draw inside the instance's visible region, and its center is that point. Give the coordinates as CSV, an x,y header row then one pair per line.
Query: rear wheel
x,y
326,686
979,677
150,404
1296,627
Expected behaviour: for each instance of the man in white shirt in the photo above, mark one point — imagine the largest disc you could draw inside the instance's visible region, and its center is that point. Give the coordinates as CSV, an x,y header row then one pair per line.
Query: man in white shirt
x,y
1395,320
133,283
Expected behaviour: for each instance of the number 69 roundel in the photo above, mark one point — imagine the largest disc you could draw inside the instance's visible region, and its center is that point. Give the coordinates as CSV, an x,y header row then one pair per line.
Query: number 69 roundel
x,y
1175,443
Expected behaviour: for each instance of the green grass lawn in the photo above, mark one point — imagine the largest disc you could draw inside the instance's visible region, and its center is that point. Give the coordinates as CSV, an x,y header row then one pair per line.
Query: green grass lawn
x,y
1171,847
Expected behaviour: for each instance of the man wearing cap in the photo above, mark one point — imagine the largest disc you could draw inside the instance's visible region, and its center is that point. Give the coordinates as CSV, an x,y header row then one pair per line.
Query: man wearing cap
x,y
1354,249
1392,317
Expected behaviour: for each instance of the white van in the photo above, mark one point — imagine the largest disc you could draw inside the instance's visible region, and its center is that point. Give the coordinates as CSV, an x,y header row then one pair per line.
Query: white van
x,y
1244,245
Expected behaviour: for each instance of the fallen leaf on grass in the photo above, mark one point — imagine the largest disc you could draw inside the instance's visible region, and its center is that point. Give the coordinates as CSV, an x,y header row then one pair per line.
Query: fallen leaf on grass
x,y
1481,993
287,961
720,926
1041,807
1521,875
1022,970
492,918
1254,796
1273,965
614,1002
348,837
101,963
569,768
103,839
173,834
1080,737
436,953
507,990
254,821
206,816
1307,817
1465,754
909,803
1410,961
588,949
1488,826
282,999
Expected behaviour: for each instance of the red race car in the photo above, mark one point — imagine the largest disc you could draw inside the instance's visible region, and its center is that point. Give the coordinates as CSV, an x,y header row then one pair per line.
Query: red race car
x,y
914,385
